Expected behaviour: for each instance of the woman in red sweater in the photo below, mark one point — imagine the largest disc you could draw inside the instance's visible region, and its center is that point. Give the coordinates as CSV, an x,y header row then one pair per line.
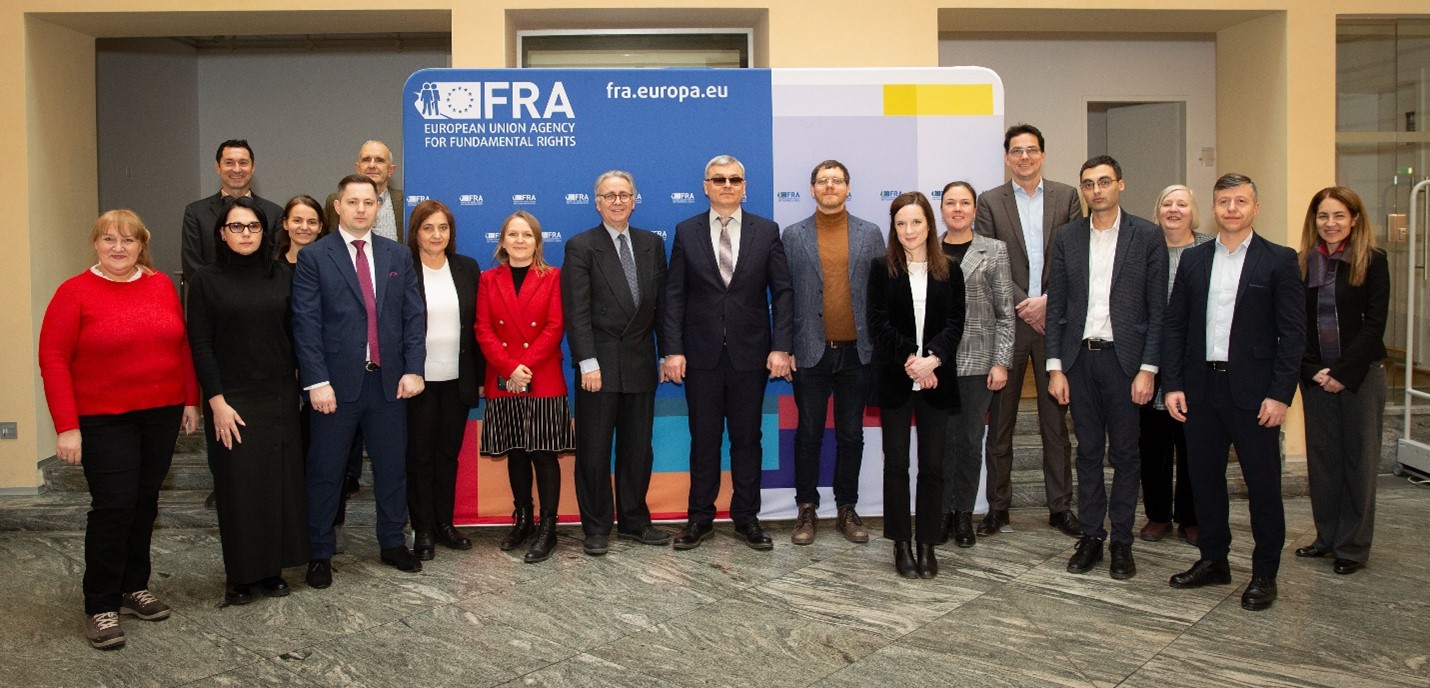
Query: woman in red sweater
x,y
120,385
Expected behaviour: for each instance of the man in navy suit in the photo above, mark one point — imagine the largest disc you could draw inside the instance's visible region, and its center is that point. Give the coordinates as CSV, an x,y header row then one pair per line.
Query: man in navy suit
x,y
1235,331
728,276
361,335
1106,293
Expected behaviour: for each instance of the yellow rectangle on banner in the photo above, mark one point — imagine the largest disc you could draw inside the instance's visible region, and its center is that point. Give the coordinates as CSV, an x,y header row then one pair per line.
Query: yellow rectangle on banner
x,y
911,100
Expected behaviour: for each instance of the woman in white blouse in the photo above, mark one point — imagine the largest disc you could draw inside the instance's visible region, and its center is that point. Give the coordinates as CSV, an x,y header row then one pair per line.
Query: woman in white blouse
x,y
437,418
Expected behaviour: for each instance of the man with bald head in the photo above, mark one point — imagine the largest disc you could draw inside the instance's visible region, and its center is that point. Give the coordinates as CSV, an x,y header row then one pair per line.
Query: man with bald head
x,y
375,162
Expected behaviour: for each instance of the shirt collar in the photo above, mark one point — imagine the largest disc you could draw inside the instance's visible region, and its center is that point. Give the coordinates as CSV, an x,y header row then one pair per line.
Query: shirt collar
x,y
736,216
349,237
1221,248
1018,189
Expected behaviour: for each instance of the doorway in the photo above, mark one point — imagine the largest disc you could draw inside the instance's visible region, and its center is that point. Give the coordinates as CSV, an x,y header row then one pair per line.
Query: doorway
x,y
1149,140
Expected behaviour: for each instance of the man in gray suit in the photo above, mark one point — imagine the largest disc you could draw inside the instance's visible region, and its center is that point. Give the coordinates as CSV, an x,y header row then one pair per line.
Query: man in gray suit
x,y
1107,289
829,254
375,162
1022,214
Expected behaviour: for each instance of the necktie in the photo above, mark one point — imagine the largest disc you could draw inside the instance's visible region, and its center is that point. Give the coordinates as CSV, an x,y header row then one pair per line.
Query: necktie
x,y
726,259
369,302
628,263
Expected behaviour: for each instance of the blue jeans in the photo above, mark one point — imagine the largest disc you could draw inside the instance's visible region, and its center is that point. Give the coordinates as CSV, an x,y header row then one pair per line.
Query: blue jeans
x,y
838,372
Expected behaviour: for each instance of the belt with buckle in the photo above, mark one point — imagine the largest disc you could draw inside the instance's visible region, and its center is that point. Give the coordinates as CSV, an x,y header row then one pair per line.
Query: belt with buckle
x,y
1219,366
370,367
1097,344
840,343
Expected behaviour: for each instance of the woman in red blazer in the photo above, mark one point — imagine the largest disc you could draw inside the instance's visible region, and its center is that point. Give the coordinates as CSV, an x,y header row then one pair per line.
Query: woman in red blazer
x,y
519,328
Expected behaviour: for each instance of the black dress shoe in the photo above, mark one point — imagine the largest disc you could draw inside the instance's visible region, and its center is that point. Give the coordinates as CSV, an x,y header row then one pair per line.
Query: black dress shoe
x,y
351,485
650,535
1312,551
521,529
946,530
755,536
1123,567
692,535
1067,522
401,559
320,573
963,529
1204,572
1089,552
451,538
904,562
993,523
424,545
210,501
236,593
595,545
1345,567
927,564
274,586
1259,595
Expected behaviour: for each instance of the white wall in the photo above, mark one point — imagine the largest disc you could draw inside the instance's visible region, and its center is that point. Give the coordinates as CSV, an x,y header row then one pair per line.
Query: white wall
x,y
1048,83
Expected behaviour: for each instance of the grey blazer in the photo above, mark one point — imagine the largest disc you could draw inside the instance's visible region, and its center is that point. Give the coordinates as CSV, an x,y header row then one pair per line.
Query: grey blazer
x,y
998,219
802,251
1137,301
988,316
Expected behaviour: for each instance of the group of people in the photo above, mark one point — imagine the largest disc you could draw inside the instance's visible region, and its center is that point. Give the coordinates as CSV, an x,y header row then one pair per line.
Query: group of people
x,y
312,333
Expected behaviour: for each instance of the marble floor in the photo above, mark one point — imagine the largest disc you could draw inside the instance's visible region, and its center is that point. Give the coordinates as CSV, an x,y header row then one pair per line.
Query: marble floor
x,y
1004,613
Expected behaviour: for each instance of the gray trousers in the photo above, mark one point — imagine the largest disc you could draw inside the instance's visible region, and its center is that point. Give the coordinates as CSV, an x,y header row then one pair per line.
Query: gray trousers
x,y
1052,422
963,450
1343,436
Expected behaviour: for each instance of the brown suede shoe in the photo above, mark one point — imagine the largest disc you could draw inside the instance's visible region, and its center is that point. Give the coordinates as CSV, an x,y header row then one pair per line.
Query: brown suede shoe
x,y
804,525
849,523
1154,531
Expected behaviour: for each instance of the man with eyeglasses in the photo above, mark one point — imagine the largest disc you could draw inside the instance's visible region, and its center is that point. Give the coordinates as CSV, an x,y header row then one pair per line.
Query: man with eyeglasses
x,y
375,162
360,331
829,255
1107,289
612,282
728,282
1023,214
234,164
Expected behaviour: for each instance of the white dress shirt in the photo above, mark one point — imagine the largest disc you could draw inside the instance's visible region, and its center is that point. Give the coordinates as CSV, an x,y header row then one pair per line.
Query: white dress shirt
x,y
919,289
1221,296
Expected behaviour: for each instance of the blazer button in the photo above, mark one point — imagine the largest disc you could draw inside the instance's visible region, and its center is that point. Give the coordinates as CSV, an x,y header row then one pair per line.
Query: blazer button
x,y
524,345
499,322
503,344
533,323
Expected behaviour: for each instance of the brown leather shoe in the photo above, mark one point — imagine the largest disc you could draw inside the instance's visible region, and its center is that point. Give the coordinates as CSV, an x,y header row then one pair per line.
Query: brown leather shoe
x,y
1154,531
849,523
1189,533
804,525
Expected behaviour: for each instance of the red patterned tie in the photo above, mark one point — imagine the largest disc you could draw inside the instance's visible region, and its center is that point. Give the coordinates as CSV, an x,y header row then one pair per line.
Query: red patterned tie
x,y
369,302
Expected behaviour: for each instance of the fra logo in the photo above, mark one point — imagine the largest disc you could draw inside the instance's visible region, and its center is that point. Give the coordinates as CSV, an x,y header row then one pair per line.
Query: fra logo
x,y
471,199
787,197
578,199
523,199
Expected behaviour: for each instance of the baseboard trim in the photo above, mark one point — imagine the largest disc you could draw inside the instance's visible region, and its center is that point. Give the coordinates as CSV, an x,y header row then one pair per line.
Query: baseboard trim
x,y
22,491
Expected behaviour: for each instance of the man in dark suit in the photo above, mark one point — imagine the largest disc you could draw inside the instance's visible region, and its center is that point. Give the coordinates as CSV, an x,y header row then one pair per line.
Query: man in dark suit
x,y
1023,214
234,164
612,282
1106,294
728,277
1235,331
361,335
375,162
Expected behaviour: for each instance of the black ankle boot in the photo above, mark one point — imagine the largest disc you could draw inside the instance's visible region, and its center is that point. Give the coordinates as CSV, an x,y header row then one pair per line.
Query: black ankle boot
x,y
904,560
963,529
545,541
928,563
521,529
946,530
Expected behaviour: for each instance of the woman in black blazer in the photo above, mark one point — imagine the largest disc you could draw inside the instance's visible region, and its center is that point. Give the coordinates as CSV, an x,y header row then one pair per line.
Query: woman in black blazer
x,y
437,418
916,312
1342,373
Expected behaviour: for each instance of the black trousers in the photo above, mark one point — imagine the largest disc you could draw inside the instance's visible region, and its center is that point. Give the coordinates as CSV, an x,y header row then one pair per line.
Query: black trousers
x,y
839,374
1106,423
1163,445
1213,425
1342,460
628,419
717,399
436,421
125,459
932,425
963,450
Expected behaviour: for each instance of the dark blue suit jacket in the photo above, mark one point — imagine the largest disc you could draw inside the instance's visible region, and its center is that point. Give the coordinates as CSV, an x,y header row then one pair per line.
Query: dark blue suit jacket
x,y
330,321
699,311
1268,327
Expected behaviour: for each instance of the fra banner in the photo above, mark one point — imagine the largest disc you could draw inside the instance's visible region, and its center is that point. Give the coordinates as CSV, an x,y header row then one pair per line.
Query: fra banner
x,y
490,142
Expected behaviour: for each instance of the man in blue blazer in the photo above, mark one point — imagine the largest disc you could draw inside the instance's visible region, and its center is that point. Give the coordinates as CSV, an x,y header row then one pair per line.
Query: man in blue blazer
x,y
361,335
728,280
1106,293
829,254
1235,331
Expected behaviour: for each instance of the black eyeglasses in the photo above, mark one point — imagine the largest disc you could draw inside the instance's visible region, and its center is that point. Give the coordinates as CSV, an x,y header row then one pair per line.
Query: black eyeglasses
x,y
241,227
726,181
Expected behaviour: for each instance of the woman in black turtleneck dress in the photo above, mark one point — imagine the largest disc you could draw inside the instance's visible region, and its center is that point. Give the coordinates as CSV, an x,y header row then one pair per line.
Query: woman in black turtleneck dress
x,y
243,354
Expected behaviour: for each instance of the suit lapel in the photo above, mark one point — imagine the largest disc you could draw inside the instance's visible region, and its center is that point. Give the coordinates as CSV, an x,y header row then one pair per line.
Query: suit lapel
x,y
744,253
1010,206
338,253
974,256
1124,239
1080,250
609,264
1254,253
382,264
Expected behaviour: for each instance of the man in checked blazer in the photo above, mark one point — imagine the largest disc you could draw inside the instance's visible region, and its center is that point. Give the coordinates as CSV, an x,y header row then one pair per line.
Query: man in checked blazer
x,y
1023,214
1107,289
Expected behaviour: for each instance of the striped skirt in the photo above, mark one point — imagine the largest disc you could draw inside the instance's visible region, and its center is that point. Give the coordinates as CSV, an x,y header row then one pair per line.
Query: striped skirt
x,y
533,424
